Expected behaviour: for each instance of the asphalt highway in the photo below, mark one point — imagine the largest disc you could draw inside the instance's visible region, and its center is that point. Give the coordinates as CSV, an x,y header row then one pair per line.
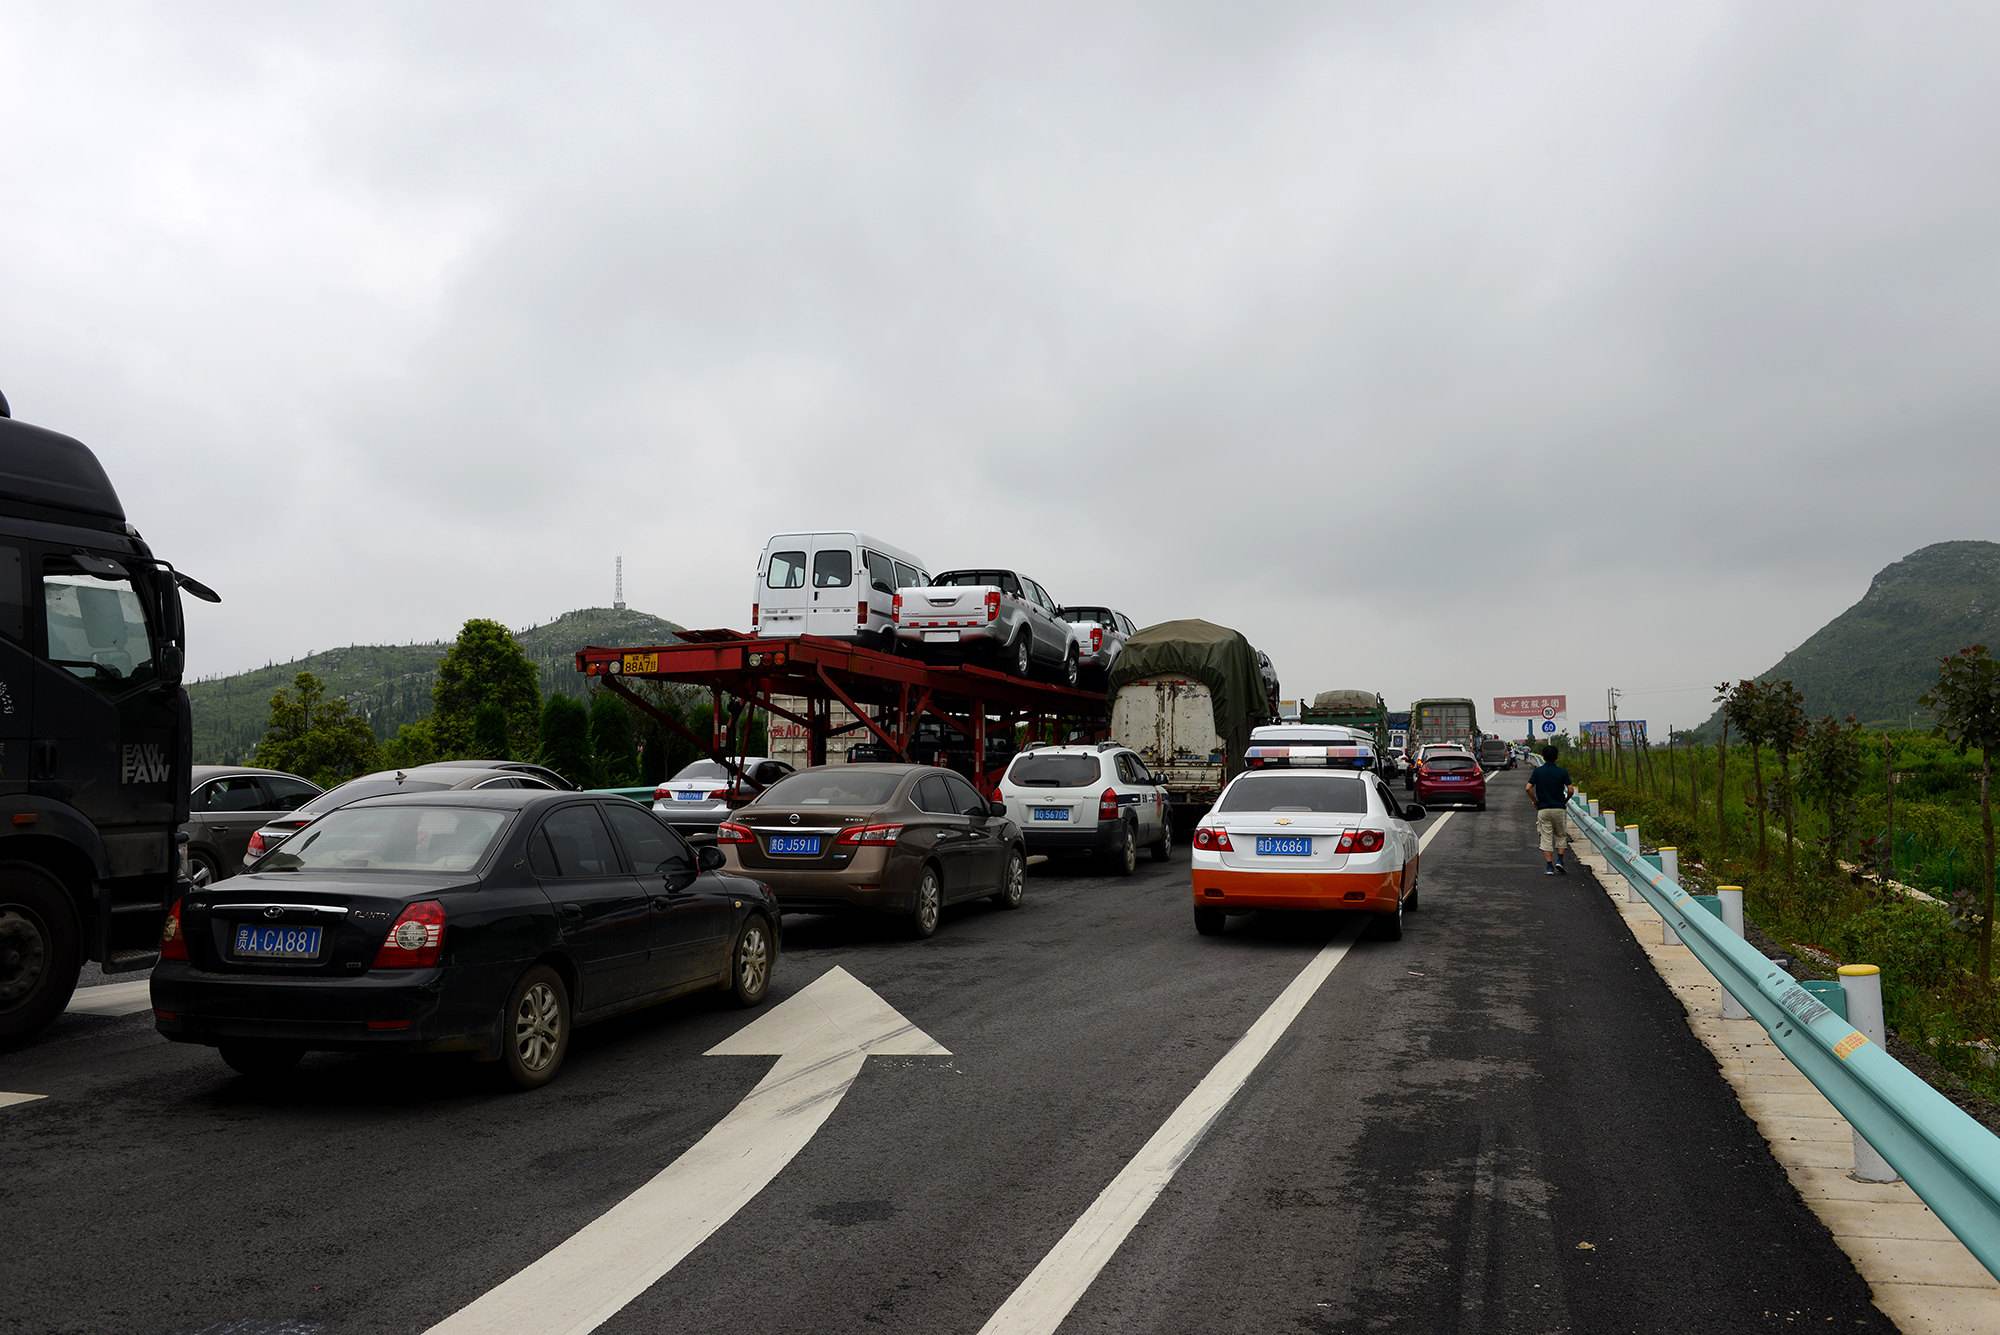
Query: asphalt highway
x,y
1499,1123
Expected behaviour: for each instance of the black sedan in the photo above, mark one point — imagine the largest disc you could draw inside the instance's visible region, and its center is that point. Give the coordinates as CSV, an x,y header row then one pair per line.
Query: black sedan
x,y
485,921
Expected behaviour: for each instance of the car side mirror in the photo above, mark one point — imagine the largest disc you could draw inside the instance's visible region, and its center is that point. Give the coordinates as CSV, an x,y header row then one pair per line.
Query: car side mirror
x,y
996,808
1412,811
710,858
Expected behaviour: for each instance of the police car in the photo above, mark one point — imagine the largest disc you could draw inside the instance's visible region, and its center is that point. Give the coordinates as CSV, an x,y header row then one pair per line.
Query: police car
x,y
1306,826
1097,798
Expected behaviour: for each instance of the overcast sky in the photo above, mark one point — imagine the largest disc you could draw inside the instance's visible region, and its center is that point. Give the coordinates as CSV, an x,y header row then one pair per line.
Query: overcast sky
x,y
1454,349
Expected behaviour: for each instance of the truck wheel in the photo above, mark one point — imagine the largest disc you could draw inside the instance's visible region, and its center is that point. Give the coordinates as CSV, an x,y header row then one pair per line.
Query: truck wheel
x,y
41,951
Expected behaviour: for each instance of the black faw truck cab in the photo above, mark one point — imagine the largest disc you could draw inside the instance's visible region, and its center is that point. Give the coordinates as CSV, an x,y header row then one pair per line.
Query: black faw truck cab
x,y
94,728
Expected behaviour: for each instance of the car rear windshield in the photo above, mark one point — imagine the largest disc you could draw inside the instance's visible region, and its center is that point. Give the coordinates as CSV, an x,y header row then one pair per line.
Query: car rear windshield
x,y
391,838
1296,792
700,771
1450,763
360,788
1101,615
1054,771
834,786
966,579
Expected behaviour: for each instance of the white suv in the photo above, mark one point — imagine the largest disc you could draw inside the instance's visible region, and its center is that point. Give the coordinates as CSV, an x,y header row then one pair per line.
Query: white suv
x,y
1096,798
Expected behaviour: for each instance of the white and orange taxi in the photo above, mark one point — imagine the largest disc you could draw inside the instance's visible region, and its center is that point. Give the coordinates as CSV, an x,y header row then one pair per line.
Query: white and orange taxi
x,y
1315,838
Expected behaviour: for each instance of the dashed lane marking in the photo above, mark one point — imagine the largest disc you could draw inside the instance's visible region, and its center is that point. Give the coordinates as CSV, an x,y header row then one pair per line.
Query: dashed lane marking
x,y
9,1100
112,999
1046,1296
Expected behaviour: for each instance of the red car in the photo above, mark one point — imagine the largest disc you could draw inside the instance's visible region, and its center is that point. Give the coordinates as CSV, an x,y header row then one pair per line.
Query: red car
x,y
1451,777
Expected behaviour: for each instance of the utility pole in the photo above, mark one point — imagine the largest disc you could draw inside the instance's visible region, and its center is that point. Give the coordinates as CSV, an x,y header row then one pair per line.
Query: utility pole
x,y
1611,712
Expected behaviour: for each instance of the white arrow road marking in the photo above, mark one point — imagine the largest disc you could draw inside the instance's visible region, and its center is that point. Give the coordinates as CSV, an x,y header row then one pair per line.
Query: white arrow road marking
x,y
9,1100
112,999
1054,1286
821,1036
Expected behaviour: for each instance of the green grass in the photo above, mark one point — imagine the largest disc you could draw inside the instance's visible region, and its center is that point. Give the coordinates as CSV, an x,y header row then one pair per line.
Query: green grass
x,y
1927,954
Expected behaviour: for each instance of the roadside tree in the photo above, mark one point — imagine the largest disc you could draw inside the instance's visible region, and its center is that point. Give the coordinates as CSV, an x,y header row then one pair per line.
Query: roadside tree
x,y
1966,704
484,666
314,735
565,738
611,738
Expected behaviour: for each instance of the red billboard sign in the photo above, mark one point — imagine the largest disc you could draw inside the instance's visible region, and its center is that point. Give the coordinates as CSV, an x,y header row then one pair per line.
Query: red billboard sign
x,y
1530,706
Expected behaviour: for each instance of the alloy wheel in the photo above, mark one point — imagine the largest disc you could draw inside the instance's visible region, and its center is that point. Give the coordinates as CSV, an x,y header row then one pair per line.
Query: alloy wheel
x,y
753,961
929,902
1021,659
538,1027
1017,878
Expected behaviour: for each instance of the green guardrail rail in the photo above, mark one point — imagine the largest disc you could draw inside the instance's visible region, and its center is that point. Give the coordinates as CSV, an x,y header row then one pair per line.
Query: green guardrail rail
x,y
1948,1159
636,794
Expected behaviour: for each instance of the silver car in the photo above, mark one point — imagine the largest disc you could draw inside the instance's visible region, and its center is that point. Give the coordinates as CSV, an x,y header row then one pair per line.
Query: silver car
x,y
1100,633
1000,616
703,794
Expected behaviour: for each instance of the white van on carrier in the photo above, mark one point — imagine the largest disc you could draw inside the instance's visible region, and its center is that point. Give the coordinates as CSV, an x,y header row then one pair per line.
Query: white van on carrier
x,y
840,585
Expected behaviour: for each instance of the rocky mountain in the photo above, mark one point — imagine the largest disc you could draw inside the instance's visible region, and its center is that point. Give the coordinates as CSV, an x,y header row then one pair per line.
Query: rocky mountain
x,y
1877,657
390,684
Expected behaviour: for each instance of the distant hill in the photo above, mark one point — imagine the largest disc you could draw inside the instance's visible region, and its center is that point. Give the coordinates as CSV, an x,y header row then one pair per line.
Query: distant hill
x,y
390,684
1877,657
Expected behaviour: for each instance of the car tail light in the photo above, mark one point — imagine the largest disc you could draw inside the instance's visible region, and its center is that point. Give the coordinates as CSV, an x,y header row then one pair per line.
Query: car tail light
x,y
1096,638
1208,837
663,794
861,613
992,605
869,834
417,939
257,846
753,616
731,833
1107,804
718,794
1360,841
896,609
173,943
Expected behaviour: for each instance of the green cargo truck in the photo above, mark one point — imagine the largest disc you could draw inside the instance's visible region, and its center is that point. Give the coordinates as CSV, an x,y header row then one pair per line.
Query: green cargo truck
x,y
1365,710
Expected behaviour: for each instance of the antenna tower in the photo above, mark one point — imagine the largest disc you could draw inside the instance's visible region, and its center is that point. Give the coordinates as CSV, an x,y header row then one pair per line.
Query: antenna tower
x,y
618,584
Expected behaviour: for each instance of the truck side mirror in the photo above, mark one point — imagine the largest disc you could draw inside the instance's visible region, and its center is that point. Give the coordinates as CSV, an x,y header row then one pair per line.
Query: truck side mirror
x,y
172,663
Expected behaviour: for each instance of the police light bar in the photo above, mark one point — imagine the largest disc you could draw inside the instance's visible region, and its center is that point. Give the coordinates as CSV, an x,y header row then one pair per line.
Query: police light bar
x,y
1315,757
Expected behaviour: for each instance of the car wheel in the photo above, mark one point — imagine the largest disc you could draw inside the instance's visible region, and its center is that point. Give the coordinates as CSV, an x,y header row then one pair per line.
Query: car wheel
x,y
1389,926
1163,847
1479,805
1410,900
1023,660
201,869
1209,922
752,961
1013,880
1122,858
927,904
261,1061
41,950
534,1029
1071,673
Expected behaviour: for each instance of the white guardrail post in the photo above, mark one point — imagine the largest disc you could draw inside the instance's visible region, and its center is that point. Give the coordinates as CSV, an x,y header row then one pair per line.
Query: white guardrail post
x,y
1595,810
1670,867
1949,1160
1862,984
1732,918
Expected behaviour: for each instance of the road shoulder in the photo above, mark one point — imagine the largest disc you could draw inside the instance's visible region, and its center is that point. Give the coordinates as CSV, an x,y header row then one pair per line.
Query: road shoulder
x,y
1920,1276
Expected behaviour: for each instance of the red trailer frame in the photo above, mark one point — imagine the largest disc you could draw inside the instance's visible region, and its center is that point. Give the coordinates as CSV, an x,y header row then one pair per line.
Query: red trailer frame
x,y
890,695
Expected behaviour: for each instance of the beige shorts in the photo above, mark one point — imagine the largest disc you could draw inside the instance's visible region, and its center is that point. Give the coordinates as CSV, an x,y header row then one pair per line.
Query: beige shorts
x,y
1553,826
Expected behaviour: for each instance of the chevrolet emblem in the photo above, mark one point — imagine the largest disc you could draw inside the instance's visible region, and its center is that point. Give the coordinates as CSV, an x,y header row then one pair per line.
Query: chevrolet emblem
x,y
1284,820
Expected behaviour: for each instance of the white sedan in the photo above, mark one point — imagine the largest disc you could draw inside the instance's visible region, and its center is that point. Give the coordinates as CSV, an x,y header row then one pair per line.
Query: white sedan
x,y
1306,839
705,792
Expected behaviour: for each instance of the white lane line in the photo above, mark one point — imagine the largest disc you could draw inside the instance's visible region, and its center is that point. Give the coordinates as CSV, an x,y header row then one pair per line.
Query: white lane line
x,y
1046,1296
9,1100
112,999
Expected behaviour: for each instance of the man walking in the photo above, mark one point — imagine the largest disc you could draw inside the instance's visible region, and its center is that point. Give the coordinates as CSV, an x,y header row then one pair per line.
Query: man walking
x,y
1549,785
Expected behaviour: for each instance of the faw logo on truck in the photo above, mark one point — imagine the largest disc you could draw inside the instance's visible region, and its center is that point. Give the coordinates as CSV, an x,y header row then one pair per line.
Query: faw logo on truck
x,y
143,762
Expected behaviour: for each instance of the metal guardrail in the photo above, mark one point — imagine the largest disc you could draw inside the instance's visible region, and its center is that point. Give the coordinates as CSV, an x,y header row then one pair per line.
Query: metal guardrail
x,y
1951,1161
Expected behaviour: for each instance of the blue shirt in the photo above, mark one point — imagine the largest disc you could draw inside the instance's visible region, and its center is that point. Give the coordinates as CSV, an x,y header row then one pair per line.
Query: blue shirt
x,y
1551,784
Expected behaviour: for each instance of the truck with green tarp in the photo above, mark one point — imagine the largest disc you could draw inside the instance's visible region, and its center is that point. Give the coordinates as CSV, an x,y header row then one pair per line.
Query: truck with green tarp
x,y
1185,695
1365,710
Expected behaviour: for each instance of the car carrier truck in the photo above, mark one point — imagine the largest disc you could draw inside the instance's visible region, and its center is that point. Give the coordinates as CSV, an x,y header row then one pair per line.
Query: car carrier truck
x,y
94,733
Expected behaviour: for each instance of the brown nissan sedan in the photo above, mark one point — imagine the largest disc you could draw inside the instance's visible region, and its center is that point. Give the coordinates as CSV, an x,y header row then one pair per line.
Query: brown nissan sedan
x,y
900,839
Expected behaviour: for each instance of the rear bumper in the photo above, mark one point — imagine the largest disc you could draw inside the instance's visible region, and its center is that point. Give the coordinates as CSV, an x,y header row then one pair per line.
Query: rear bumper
x,y
1429,794
873,882
1367,891
416,1009
1100,838
971,639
